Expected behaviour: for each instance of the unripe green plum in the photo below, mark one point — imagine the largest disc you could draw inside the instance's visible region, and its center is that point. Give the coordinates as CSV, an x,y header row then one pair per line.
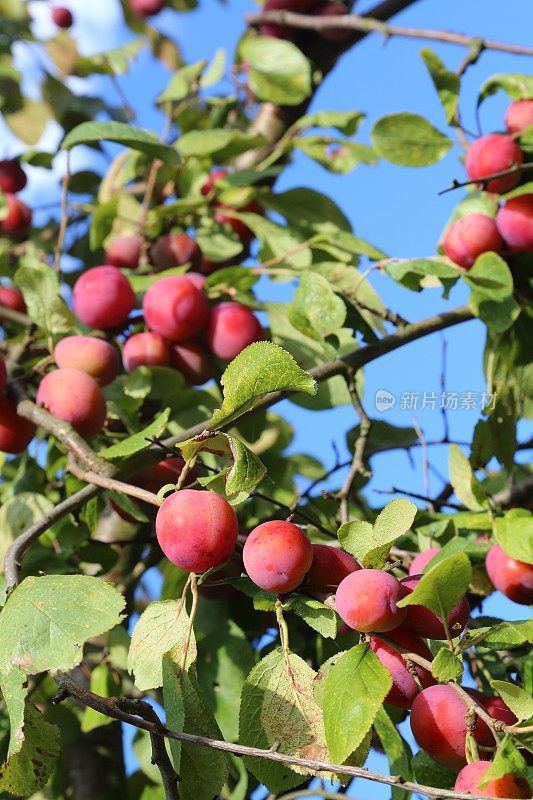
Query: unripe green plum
x,y
74,397
103,297
277,555
469,237
329,567
174,250
425,623
96,357
404,688
146,349
490,154
508,785
125,251
196,530
421,560
12,177
438,723
175,308
15,432
17,220
366,601
519,116
512,578
231,328
515,223
193,360
12,298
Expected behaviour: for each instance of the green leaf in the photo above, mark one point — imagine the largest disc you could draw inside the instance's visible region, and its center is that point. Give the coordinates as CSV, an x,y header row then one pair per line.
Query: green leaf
x,y
371,544
280,708
346,122
181,83
446,83
336,155
247,470
318,616
121,133
278,70
514,534
446,667
465,484
442,587
396,750
139,441
492,287
354,691
18,513
40,287
506,635
49,635
409,140
261,368
306,208
219,143
519,701
113,62
174,709
517,86
161,628
30,767
203,769
225,658
423,273
316,310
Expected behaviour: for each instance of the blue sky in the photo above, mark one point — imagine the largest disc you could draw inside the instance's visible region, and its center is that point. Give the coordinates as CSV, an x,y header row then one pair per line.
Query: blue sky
x,y
397,209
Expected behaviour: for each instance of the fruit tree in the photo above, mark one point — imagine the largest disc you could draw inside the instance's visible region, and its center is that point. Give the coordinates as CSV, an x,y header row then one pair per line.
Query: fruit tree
x,y
204,591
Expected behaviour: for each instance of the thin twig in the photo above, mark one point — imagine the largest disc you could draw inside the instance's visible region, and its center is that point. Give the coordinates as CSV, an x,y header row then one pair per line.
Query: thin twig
x,y
356,22
64,215
109,707
416,496
484,181
357,466
114,485
11,315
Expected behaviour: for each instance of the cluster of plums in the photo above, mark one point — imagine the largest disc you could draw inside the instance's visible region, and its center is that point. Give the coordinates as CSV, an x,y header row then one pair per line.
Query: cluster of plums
x,y
198,530
16,219
512,228
183,331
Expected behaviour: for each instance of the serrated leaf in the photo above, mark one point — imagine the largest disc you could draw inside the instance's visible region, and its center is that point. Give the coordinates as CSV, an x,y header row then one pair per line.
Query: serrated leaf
x,y
225,658
138,441
181,82
278,70
203,769
446,666
396,750
371,543
247,470
514,534
336,155
518,700
316,310
29,769
492,287
420,273
49,635
506,635
280,708
517,86
442,587
465,485
161,628
446,83
121,133
40,287
219,143
354,691
346,122
173,703
113,62
261,368
318,616
409,140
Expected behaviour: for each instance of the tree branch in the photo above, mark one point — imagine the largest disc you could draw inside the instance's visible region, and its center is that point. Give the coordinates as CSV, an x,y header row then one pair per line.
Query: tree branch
x,y
11,315
111,707
369,24
113,485
484,181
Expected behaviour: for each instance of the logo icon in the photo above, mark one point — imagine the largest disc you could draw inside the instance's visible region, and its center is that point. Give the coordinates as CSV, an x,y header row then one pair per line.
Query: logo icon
x,y
384,400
